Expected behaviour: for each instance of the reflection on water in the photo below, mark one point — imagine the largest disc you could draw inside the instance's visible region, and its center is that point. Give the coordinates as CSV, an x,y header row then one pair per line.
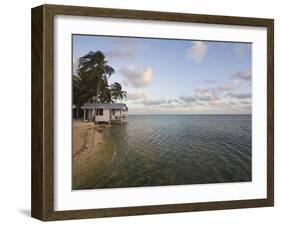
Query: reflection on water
x,y
170,150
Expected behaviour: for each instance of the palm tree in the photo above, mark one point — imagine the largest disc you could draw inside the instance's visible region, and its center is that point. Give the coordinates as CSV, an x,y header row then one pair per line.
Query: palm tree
x,y
76,93
116,91
105,93
94,70
90,84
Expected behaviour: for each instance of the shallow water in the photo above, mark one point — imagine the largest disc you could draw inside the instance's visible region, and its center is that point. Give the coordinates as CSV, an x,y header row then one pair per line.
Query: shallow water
x,y
173,150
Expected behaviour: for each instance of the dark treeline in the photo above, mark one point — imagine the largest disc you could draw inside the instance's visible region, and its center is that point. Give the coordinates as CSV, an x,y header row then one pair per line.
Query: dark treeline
x,y
90,83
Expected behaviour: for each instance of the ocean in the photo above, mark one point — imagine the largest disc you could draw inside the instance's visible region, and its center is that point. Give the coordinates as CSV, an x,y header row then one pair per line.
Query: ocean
x,y
157,150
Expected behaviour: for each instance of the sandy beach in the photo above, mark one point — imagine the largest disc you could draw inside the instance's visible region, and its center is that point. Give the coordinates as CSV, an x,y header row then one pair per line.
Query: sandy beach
x,y
90,154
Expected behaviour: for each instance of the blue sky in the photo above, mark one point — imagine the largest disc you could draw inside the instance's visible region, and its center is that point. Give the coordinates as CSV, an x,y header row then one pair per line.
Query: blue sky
x,y
164,76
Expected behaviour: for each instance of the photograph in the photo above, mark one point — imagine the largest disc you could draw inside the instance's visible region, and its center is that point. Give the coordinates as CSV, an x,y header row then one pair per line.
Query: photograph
x,y
152,111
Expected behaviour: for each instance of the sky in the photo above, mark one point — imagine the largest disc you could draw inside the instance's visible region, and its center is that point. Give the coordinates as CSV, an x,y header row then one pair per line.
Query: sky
x,y
168,76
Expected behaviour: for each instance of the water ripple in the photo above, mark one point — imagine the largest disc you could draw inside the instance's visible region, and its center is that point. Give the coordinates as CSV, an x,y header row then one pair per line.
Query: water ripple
x,y
166,150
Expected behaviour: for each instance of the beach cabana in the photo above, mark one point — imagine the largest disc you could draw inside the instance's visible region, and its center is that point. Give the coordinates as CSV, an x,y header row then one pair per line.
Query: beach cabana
x,y
108,112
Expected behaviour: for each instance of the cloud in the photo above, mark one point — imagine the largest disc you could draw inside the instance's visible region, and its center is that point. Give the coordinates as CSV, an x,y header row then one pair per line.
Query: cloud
x,y
177,101
223,104
242,76
159,102
201,104
153,102
215,95
136,77
231,103
168,106
123,48
235,82
245,102
209,81
136,96
239,95
187,99
247,107
226,87
128,52
197,52
204,94
242,49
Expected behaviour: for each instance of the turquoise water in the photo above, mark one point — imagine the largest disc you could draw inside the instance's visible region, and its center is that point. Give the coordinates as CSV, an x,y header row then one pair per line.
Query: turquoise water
x,y
173,150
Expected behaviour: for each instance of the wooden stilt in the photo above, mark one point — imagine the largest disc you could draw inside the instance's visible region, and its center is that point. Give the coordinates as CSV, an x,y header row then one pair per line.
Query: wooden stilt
x,y
84,114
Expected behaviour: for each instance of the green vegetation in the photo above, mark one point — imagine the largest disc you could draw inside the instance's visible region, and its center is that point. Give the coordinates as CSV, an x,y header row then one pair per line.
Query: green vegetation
x,y
90,84
116,92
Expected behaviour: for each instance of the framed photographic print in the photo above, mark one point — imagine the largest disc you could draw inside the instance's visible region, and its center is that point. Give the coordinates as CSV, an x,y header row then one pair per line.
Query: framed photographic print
x,y
141,112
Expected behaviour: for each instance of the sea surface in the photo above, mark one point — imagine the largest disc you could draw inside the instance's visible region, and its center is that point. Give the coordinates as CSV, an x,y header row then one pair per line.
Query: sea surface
x,y
178,149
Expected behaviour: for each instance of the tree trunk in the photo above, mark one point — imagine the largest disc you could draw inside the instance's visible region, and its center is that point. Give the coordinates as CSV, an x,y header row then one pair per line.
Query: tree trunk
x,y
98,90
77,112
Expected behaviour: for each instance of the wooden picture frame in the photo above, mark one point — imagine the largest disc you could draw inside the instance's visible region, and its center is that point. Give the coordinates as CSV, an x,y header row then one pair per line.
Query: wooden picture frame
x,y
42,204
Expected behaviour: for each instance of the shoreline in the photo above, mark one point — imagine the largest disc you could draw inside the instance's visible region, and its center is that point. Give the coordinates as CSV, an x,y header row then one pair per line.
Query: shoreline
x,y
89,154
